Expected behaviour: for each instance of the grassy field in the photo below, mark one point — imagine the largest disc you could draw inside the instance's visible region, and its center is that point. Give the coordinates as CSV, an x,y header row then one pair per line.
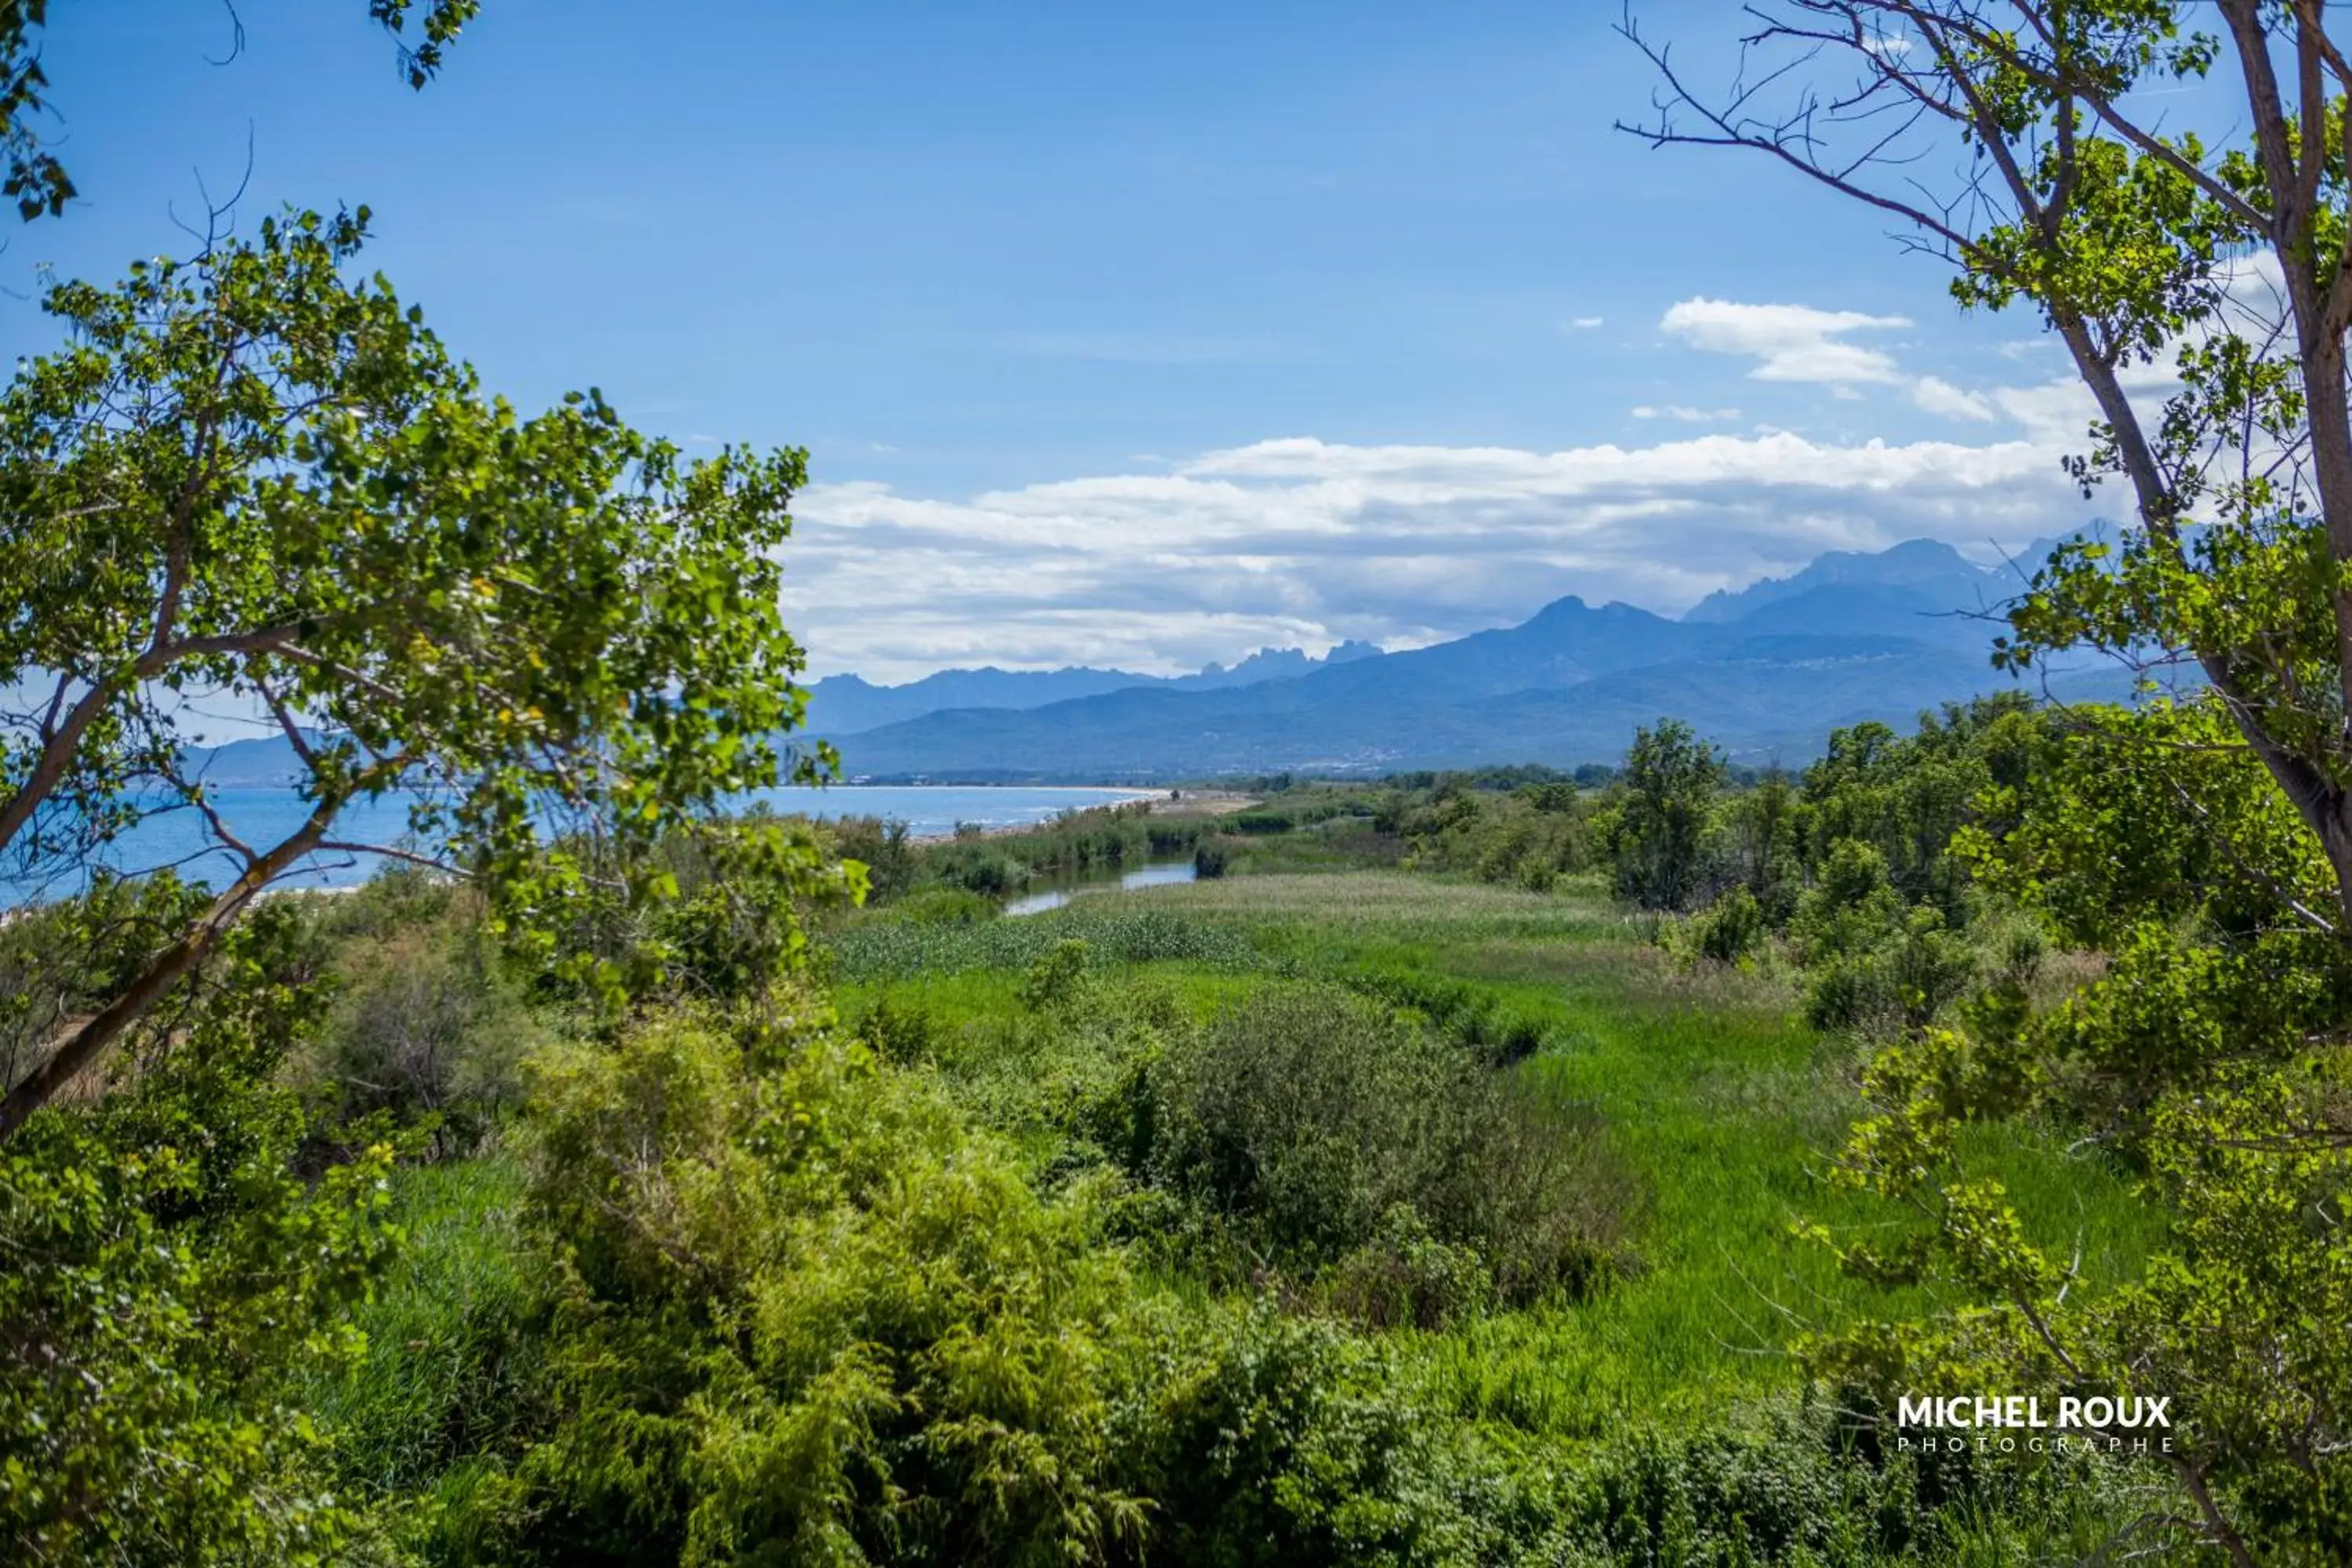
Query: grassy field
x,y
1576,1345
1723,1106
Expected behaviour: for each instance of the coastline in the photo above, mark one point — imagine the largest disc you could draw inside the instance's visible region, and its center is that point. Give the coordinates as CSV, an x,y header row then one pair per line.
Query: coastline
x,y
1158,803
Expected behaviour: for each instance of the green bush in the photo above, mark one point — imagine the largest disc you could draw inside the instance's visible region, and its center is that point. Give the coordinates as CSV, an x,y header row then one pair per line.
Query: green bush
x,y
1209,859
424,1027
1730,930
1053,979
1872,961
1306,1115
794,1310
1406,1276
170,1280
993,875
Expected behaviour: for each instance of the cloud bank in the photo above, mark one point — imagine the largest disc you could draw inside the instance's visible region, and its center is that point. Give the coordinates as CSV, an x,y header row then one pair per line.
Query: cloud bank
x,y
1303,541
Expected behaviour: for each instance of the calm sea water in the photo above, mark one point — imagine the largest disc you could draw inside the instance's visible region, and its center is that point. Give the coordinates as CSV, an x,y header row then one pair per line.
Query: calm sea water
x,y
262,815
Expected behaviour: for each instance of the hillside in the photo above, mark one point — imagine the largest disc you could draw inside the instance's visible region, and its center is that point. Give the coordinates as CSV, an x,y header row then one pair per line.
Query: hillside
x,y
846,705
1766,672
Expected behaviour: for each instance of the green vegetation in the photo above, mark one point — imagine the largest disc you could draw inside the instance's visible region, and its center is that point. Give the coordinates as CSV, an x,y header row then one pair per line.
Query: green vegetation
x,y
252,479
1495,1168
2204,843
1348,1213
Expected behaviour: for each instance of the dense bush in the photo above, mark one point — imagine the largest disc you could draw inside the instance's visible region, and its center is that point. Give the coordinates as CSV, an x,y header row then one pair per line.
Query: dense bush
x,y
1311,1118
791,1308
168,1281
1730,928
1528,838
424,1027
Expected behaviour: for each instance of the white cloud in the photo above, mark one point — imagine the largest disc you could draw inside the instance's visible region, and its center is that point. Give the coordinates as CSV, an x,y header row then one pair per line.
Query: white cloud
x,y
1800,344
1788,343
1584,324
1685,413
1303,541
1936,395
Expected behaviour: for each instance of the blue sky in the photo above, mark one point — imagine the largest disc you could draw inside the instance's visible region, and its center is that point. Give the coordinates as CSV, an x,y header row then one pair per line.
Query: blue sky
x,y
1139,334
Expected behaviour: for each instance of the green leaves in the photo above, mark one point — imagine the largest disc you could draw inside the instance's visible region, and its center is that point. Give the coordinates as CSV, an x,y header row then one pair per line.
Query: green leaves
x,y
168,1272
252,481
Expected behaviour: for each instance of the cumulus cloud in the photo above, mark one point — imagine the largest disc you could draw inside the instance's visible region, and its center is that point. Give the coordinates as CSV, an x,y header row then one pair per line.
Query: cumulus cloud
x,y
1788,343
1936,395
1302,542
1801,344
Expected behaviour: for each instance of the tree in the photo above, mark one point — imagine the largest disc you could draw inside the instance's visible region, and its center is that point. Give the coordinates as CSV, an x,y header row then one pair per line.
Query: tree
x,y
1670,778
2232,264
249,481
2210,1058
35,178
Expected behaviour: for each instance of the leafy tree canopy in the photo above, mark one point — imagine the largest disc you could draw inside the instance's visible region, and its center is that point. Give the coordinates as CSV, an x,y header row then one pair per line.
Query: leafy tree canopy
x,y
2203,290
249,479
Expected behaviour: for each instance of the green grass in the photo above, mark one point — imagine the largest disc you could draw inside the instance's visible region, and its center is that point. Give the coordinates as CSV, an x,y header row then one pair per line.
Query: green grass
x,y
441,1374
1715,1095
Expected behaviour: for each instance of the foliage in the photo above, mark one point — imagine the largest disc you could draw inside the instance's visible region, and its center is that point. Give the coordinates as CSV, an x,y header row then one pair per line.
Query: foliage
x,y
1309,1119
1731,929
169,1277
247,476
893,944
1530,837
2207,843
1657,834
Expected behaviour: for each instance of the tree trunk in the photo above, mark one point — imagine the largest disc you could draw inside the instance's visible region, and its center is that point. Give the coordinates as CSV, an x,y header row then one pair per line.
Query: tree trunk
x,y
77,1050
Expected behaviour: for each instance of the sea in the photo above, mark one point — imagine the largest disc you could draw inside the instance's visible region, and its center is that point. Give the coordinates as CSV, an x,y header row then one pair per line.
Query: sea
x,y
262,815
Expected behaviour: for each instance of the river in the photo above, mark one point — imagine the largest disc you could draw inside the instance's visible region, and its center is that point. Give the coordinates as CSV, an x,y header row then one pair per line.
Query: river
x,y
1163,874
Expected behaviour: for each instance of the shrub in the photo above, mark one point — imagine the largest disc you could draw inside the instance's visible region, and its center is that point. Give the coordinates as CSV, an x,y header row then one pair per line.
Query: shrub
x,y
1306,1115
1055,977
995,875
899,1032
1730,928
424,1028
1406,1276
798,1311
886,849
1872,962
151,1326
1209,859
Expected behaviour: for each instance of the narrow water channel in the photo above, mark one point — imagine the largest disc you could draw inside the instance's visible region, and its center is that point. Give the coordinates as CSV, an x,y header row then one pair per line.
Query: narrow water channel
x,y
1054,898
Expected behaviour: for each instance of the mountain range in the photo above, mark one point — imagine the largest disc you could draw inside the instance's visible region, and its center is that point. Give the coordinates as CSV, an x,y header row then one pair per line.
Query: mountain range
x,y
1765,671
846,705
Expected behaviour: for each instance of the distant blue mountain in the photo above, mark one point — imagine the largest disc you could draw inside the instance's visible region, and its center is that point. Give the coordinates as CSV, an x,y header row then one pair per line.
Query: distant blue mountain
x,y
1765,671
843,705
